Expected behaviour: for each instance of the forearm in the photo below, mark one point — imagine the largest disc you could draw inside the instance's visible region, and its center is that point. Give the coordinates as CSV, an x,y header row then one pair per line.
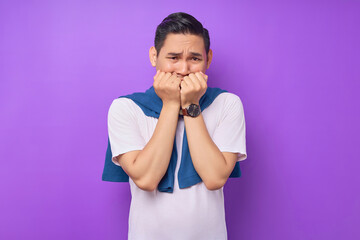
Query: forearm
x,y
153,161
207,159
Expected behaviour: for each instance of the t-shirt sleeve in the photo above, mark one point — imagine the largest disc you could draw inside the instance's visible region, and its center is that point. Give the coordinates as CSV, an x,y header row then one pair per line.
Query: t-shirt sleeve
x,y
230,134
123,128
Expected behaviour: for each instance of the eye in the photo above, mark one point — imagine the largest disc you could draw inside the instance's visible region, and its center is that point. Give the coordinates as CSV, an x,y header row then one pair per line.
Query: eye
x,y
196,59
172,58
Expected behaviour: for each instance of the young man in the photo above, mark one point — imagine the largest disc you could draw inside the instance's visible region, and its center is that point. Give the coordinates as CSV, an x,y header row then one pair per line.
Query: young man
x,y
177,143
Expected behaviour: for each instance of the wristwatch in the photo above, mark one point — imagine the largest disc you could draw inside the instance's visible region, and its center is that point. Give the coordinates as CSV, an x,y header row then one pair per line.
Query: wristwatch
x,y
193,110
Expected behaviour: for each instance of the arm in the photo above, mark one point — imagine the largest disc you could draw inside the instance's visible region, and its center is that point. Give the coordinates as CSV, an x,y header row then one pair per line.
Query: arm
x,y
148,166
213,166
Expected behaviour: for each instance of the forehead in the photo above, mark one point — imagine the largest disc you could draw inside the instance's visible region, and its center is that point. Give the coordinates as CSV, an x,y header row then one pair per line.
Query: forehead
x,y
181,42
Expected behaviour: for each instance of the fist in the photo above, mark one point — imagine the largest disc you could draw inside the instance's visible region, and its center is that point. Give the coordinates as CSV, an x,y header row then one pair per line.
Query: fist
x,y
193,88
167,87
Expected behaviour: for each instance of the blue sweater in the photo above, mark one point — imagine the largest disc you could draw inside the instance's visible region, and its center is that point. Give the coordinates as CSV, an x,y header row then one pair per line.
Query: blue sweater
x,y
151,105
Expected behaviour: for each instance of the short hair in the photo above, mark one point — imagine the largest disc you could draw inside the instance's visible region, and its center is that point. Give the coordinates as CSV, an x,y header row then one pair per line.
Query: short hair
x,y
180,22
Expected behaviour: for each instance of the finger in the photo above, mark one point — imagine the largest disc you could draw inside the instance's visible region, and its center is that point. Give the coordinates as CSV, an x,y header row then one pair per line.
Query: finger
x,y
204,75
167,76
201,79
173,76
159,77
188,81
200,76
178,80
163,78
183,83
157,73
173,79
195,80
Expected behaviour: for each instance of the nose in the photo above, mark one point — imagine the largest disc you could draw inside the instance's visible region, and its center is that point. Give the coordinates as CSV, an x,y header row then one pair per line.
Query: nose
x,y
183,69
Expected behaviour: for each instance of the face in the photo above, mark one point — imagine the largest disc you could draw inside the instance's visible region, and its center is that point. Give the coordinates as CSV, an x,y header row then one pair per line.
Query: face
x,y
182,54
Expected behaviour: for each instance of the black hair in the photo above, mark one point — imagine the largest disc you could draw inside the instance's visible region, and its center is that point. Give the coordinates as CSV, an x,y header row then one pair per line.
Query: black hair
x,y
180,22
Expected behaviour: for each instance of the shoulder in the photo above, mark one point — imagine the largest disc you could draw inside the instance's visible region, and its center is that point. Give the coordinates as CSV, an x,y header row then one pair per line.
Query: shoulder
x,y
227,101
124,106
121,102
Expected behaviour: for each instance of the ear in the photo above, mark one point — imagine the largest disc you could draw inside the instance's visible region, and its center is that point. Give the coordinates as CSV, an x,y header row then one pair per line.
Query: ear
x,y
209,58
153,56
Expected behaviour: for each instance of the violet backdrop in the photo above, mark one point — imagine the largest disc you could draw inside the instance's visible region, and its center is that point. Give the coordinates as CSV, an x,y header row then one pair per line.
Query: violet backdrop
x,y
294,64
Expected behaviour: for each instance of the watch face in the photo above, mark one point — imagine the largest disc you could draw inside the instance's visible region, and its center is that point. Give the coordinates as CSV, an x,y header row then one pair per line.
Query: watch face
x,y
194,110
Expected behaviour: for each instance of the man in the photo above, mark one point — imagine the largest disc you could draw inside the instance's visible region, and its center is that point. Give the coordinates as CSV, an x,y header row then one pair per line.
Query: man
x,y
177,143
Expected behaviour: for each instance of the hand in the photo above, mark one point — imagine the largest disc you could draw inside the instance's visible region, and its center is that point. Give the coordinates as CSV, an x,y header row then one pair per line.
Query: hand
x,y
167,87
193,88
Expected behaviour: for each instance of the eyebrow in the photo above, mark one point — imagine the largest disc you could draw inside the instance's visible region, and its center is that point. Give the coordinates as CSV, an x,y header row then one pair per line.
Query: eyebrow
x,y
192,53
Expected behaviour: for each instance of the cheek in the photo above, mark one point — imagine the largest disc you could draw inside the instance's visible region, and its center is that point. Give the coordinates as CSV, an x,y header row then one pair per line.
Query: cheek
x,y
198,67
166,67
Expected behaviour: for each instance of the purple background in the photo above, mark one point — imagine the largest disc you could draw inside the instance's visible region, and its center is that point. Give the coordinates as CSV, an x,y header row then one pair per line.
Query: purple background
x,y
294,65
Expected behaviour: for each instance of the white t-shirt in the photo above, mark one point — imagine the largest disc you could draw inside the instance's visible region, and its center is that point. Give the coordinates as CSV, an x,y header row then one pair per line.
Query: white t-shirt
x,y
193,213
